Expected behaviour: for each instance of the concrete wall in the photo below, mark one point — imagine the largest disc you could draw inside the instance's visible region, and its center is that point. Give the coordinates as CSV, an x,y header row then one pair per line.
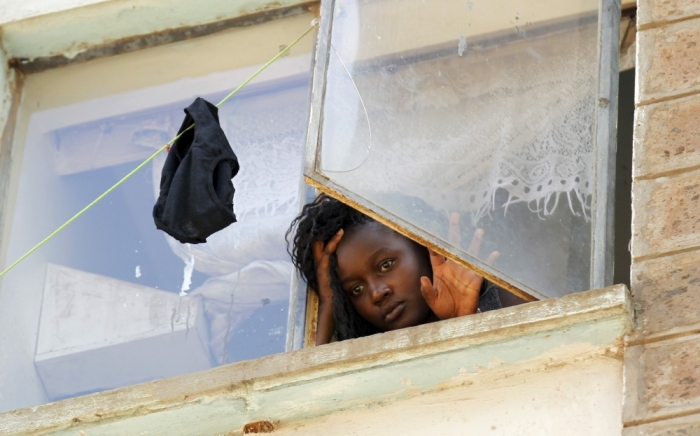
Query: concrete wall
x,y
662,364
581,398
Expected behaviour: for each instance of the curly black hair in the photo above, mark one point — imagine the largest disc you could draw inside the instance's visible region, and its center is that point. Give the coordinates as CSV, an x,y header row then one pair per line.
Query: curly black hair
x,y
320,221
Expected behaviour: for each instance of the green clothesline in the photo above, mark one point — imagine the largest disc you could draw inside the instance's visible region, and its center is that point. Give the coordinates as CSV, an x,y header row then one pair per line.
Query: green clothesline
x,y
168,144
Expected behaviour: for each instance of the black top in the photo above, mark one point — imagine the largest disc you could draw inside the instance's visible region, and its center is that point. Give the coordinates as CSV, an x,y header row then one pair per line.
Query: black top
x,y
196,192
489,299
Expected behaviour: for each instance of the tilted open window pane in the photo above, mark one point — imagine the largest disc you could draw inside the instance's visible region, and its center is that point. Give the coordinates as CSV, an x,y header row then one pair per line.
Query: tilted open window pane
x,y
99,306
487,109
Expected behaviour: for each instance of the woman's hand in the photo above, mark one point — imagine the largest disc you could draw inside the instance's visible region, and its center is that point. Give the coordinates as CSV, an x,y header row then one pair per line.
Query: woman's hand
x,y
322,263
455,289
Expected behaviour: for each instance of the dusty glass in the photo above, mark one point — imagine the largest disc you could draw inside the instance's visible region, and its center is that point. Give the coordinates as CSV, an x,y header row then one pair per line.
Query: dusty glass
x,y
106,303
481,108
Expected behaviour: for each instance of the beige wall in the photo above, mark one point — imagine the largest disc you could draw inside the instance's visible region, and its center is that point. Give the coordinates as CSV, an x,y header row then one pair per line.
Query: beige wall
x,y
663,362
582,398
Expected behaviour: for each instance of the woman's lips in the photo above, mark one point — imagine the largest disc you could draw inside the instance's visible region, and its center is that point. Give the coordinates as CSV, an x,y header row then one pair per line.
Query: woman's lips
x,y
395,312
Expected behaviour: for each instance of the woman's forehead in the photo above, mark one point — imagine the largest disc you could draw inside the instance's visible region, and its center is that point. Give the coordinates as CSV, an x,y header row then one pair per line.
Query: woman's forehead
x,y
371,235
370,228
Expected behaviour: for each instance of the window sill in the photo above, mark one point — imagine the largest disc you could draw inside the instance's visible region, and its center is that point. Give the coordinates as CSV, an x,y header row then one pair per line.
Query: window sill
x,y
363,373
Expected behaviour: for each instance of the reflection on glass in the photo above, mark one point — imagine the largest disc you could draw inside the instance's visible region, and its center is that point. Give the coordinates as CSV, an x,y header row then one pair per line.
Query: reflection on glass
x,y
104,295
482,108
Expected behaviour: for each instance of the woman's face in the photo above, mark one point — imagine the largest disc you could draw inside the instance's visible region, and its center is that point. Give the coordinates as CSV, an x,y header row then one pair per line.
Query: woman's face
x,y
380,271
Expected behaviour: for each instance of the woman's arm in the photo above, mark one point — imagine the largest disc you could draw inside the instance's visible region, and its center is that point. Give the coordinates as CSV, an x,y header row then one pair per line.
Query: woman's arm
x,y
326,323
322,262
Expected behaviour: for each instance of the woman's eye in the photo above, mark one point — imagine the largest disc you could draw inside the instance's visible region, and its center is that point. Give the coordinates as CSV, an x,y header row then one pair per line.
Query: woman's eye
x,y
357,290
386,265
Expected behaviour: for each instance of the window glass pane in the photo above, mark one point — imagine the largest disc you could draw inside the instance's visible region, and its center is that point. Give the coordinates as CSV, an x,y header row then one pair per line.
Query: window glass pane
x,y
477,107
99,306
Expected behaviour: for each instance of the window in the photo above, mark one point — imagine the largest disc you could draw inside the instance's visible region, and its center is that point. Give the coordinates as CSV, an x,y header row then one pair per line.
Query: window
x,y
401,127
501,111
99,307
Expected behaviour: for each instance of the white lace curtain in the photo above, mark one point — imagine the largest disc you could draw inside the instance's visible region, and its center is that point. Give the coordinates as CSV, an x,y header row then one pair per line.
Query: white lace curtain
x,y
453,129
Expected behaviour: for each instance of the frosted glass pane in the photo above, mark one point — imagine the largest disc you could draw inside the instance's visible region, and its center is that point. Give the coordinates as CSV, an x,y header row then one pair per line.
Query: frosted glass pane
x,y
477,107
99,306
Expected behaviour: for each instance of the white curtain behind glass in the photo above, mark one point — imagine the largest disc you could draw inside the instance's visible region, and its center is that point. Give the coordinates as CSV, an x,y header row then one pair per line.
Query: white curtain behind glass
x,y
248,261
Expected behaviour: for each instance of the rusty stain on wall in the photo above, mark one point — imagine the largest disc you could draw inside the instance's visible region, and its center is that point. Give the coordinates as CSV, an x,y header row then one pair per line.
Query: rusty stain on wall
x,y
258,427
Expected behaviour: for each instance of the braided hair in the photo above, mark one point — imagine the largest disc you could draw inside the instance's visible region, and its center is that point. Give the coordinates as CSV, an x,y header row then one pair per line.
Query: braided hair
x,y
320,221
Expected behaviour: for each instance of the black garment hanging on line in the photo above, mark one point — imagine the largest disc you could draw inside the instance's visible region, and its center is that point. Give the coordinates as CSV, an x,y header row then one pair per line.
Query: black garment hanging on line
x,y
196,192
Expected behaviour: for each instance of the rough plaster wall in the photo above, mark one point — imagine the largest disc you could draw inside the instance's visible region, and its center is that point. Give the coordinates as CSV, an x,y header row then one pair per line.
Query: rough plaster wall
x,y
586,398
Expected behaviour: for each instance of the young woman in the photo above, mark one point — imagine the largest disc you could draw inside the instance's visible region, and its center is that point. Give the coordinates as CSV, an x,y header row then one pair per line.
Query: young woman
x,y
371,279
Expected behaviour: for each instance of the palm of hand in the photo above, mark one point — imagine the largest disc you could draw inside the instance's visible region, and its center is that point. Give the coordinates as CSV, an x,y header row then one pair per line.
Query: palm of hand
x,y
322,255
455,289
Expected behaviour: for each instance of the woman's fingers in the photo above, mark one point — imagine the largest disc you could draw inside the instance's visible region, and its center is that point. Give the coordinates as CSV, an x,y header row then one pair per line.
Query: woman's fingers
x,y
454,236
476,243
332,245
428,291
492,258
436,259
322,254
322,250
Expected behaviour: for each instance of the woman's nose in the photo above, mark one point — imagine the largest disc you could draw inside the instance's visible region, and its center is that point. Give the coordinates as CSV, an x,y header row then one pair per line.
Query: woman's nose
x,y
379,292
